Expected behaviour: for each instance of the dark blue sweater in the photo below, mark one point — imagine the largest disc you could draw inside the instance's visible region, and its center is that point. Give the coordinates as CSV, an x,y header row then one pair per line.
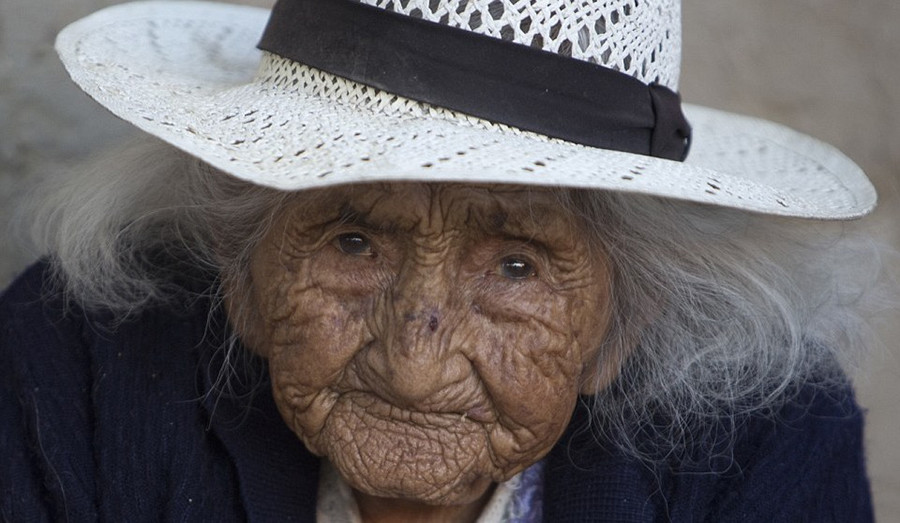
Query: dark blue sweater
x,y
110,422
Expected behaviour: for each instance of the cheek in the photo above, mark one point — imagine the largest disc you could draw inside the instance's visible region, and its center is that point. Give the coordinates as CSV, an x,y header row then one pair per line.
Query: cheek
x,y
537,341
310,329
591,319
309,334
528,359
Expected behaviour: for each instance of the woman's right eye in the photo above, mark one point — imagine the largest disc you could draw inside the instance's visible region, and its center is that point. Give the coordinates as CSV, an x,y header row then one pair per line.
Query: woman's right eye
x,y
517,268
354,244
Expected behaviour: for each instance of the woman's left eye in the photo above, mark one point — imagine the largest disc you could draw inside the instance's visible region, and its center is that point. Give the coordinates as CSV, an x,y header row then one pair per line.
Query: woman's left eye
x,y
517,268
355,244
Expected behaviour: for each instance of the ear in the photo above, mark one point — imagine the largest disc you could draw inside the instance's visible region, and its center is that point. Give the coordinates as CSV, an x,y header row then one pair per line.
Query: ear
x,y
604,369
620,343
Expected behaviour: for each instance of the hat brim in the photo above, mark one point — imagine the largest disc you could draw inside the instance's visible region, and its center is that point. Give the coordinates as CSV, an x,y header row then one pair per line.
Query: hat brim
x,y
188,73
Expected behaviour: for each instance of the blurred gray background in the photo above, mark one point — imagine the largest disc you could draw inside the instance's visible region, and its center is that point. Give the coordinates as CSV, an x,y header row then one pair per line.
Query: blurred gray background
x,y
830,68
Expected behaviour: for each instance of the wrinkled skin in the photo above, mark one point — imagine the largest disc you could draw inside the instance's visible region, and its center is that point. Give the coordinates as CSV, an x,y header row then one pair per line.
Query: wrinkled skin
x,y
428,339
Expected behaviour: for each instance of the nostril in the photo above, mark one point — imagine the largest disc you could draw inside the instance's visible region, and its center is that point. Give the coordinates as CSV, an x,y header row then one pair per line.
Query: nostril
x,y
433,323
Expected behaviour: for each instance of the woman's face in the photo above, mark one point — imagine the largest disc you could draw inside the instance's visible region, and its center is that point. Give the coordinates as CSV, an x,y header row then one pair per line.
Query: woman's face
x,y
428,339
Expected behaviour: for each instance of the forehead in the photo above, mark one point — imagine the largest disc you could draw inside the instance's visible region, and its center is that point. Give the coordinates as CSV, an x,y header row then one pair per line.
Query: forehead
x,y
440,205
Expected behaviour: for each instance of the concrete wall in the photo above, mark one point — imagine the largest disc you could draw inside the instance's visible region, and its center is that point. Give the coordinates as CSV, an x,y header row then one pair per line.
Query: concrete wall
x,y
826,67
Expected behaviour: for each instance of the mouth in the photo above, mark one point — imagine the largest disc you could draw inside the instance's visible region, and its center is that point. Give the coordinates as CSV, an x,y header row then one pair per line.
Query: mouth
x,y
437,457
445,417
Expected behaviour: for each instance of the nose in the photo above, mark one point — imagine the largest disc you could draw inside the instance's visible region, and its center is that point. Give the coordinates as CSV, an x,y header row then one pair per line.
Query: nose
x,y
416,343
415,354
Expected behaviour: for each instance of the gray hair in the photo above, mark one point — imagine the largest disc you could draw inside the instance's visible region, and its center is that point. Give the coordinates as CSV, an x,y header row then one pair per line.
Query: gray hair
x,y
727,313
716,313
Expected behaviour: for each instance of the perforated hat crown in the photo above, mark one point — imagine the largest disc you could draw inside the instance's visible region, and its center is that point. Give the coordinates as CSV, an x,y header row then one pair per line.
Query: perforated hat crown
x,y
641,38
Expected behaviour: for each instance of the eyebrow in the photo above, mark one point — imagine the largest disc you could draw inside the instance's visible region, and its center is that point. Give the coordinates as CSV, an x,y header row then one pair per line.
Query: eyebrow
x,y
498,219
509,225
350,215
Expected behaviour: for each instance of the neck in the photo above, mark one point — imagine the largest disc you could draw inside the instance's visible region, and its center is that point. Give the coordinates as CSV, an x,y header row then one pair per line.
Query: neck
x,y
384,510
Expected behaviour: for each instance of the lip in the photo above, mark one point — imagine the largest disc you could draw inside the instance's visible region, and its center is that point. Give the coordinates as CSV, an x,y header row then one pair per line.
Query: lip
x,y
376,406
480,414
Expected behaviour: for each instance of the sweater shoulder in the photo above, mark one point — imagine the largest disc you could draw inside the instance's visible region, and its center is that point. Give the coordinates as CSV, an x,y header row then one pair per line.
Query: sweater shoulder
x,y
96,406
41,333
45,409
805,461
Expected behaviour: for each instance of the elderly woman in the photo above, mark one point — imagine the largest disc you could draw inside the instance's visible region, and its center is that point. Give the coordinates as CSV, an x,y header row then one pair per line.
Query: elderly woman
x,y
435,261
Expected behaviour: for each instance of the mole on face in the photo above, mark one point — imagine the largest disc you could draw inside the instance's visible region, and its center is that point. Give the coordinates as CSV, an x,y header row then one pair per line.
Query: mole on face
x,y
432,341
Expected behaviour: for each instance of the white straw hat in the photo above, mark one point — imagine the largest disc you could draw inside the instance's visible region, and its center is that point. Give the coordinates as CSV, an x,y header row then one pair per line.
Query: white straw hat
x,y
190,73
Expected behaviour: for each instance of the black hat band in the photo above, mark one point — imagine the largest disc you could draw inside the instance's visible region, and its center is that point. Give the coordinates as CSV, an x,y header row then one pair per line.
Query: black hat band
x,y
499,81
